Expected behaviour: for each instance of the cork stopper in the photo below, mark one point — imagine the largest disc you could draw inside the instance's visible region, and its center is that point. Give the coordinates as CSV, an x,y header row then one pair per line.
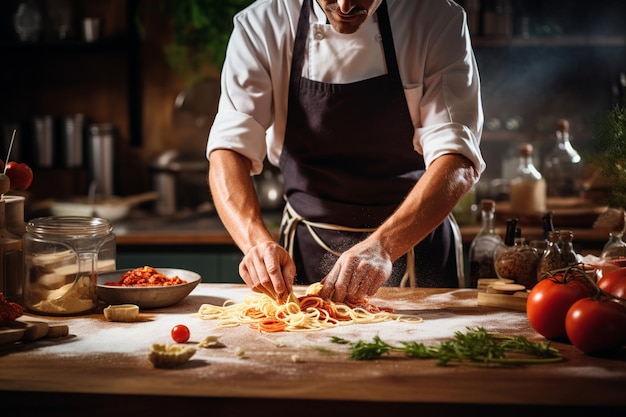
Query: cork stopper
x,y
566,235
562,125
526,149
487,205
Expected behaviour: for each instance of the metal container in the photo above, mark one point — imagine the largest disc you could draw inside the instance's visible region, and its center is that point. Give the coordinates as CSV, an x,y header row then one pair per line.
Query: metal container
x,y
11,255
43,129
101,157
180,179
72,129
62,258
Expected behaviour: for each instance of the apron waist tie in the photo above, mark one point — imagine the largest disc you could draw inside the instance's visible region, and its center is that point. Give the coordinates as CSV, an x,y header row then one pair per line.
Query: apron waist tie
x,y
291,219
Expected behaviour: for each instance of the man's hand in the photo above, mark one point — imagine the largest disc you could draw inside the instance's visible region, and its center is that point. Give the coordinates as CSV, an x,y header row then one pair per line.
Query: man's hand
x,y
359,272
267,268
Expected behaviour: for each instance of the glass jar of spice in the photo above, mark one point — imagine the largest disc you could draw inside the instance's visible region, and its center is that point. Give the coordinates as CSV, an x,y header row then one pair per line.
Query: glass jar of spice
x,y
552,258
518,263
62,257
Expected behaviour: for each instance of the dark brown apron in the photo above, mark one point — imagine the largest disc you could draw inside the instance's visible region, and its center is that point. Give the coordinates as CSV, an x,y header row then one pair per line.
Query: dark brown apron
x,y
348,160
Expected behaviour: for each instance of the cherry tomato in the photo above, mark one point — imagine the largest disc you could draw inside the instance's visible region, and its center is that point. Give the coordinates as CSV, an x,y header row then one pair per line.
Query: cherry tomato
x,y
20,174
596,326
614,282
549,301
180,333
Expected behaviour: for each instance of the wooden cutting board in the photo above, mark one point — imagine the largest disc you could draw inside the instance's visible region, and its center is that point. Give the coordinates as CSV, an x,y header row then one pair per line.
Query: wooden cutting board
x,y
509,296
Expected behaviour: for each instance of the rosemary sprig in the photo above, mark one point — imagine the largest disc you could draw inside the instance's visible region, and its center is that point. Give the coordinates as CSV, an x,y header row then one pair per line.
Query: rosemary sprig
x,y
476,346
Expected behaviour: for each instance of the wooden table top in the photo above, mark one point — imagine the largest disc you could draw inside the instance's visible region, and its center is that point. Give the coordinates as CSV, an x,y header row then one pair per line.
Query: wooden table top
x,y
297,372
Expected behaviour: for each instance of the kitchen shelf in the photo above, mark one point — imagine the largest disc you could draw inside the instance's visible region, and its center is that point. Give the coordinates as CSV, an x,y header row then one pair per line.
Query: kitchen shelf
x,y
505,136
120,43
120,47
552,41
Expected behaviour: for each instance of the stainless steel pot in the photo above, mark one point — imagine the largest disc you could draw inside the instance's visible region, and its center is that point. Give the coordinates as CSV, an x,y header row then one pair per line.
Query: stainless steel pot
x,y
180,180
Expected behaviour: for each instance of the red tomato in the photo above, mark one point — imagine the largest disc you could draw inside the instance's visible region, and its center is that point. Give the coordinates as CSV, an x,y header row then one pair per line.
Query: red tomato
x,y
596,326
549,301
180,333
21,175
614,282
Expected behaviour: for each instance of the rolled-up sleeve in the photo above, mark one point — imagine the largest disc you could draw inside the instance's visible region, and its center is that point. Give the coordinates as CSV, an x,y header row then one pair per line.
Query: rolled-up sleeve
x,y
246,104
450,110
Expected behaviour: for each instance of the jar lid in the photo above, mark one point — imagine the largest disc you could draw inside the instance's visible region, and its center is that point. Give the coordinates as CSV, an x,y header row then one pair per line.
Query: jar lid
x,y
70,226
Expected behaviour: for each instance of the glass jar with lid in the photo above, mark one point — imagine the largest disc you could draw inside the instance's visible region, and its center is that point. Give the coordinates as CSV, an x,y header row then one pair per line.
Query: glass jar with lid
x,y
519,263
62,258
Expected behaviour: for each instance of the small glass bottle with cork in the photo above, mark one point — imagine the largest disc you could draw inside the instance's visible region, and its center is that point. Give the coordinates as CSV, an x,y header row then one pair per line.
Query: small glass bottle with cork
x,y
562,167
527,193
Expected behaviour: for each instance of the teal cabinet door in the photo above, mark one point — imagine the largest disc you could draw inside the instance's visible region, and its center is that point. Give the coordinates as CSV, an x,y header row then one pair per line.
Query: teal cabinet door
x,y
214,264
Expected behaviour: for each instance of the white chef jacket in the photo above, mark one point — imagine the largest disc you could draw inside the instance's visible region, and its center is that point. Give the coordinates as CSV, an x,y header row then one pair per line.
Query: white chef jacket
x,y
434,54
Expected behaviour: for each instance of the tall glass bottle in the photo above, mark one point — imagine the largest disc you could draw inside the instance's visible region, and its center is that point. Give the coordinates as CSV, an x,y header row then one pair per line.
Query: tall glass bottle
x,y
506,245
547,225
562,167
483,246
527,192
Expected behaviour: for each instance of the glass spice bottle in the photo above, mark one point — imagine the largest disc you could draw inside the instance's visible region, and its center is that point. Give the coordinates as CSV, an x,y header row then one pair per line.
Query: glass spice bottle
x,y
568,254
483,246
527,192
615,248
551,258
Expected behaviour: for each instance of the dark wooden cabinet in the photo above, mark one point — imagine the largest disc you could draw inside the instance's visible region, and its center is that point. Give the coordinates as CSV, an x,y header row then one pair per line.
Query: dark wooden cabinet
x,y
559,59
62,77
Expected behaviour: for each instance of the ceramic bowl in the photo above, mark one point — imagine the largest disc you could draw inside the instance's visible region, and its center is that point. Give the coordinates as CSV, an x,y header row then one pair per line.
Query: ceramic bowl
x,y
146,297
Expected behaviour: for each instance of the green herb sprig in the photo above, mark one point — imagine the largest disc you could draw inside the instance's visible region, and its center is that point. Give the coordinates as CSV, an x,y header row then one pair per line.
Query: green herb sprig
x,y
475,346
610,152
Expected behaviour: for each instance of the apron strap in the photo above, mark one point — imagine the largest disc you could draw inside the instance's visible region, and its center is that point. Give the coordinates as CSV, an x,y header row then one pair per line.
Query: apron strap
x,y
289,224
458,246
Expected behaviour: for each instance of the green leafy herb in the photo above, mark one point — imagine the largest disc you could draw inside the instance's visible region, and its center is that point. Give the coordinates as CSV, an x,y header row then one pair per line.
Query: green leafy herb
x,y
610,154
200,30
339,340
475,346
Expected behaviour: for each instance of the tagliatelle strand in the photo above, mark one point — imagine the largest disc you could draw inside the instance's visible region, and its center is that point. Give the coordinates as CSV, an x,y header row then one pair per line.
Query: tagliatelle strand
x,y
309,313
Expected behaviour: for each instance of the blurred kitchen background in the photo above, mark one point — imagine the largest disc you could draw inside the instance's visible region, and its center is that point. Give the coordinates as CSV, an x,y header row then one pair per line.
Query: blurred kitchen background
x,y
104,102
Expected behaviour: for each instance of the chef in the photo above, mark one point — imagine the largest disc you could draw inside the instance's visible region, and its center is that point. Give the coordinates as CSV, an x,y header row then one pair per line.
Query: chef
x,y
372,111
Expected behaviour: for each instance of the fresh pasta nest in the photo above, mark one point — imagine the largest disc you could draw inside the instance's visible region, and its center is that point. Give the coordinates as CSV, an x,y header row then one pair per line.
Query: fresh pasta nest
x,y
305,313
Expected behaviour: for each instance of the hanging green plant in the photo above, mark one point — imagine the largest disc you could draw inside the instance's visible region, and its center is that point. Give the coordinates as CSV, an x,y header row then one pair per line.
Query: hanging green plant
x,y
610,153
200,32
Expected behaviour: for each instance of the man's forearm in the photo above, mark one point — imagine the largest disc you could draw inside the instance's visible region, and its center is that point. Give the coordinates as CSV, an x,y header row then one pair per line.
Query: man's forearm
x,y
235,199
430,201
